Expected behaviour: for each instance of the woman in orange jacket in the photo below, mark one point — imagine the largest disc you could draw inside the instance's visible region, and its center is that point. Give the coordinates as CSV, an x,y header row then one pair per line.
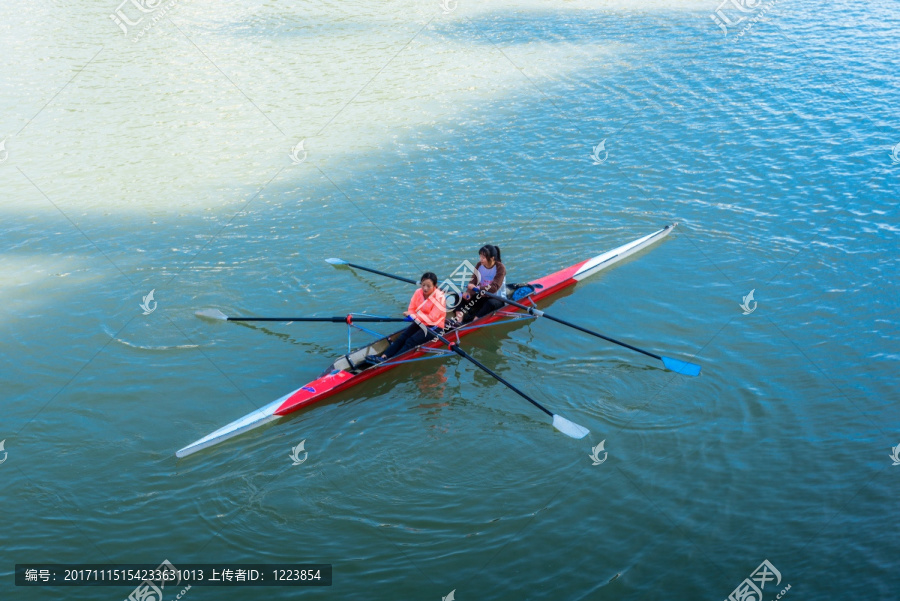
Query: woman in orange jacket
x,y
428,308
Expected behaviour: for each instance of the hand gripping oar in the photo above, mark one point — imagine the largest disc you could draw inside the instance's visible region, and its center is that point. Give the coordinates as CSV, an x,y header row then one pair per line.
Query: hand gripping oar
x,y
387,275
349,319
560,423
676,365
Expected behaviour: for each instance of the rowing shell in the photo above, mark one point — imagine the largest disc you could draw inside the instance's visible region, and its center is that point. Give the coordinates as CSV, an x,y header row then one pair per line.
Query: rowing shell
x,y
351,369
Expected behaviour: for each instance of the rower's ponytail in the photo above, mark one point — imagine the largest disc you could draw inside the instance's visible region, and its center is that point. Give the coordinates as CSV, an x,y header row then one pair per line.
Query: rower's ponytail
x,y
497,254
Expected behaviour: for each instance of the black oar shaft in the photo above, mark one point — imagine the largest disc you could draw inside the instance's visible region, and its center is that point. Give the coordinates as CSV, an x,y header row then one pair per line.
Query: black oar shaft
x,y
533,311
387,275
599,335
681,366
455,348
325,319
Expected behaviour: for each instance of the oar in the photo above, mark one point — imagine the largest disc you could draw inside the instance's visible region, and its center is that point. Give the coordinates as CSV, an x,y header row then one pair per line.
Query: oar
x,y
216,314
565,426
387,275
676,365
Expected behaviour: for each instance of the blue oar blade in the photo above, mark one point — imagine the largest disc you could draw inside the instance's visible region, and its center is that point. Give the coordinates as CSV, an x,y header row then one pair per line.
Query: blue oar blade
x,y
681,367
334,261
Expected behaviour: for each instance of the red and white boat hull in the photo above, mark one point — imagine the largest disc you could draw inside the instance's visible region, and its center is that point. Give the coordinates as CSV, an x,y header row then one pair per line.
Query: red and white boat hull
x,y
338,380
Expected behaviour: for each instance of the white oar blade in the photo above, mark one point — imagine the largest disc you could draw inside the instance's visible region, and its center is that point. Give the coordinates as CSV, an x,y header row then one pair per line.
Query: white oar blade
x,y
569,428
334,261
211,314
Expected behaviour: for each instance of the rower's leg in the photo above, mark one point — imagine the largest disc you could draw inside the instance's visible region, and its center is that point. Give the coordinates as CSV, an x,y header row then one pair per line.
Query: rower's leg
x,y
400,342
488,306
474,309
415,339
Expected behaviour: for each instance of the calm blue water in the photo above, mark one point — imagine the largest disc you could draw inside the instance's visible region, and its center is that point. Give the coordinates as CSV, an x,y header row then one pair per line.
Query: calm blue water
x,y
162,163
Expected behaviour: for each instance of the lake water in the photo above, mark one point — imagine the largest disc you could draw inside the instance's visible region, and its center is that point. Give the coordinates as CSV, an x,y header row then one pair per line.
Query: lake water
x,y
165,155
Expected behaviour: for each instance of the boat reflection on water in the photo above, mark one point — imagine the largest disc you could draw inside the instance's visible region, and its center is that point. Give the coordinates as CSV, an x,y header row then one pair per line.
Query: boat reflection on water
x,y
432,387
